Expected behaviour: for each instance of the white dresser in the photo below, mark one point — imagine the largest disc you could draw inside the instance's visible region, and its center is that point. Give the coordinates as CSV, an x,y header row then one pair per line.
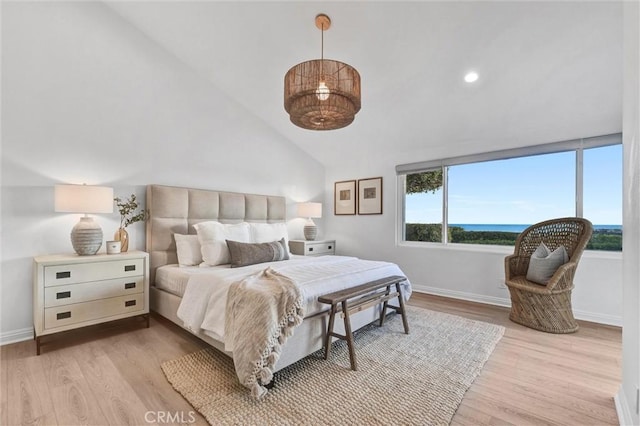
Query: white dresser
x,y
312,248
71,291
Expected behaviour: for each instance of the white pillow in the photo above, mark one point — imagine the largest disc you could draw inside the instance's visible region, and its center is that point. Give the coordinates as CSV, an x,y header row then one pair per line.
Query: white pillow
x,y
268,232
188,249
213,236
544,263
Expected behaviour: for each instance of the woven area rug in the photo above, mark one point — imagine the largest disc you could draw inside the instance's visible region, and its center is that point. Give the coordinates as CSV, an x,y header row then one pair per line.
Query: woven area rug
x,y
418,378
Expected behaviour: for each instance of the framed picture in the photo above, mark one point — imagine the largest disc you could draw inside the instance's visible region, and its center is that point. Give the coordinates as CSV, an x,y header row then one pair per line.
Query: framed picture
x,y
370,196
344,198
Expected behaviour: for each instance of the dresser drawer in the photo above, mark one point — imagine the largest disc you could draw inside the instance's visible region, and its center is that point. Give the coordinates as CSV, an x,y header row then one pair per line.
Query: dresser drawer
x,y
59,316
81,272
94,290
312,249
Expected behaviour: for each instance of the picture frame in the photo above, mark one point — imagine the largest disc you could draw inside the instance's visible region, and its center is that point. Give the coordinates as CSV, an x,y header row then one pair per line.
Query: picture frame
x,y
370,196
344,197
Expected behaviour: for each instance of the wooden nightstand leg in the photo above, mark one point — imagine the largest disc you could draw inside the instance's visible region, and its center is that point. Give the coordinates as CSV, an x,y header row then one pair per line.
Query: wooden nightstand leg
x,y
37,345
146,316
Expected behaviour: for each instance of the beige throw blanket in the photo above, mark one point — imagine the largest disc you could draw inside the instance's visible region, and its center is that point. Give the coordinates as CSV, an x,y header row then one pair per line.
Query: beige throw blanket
x,y
262,311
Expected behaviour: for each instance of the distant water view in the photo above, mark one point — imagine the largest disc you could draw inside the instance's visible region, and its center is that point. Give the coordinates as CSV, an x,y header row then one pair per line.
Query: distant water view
x,y
517,228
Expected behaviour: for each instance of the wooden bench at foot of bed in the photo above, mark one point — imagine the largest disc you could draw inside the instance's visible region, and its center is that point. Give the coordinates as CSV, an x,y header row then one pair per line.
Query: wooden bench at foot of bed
x,y
358,298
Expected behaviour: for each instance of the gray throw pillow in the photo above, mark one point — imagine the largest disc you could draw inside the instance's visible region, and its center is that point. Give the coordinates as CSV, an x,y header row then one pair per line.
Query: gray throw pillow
x,y
544,263
243,254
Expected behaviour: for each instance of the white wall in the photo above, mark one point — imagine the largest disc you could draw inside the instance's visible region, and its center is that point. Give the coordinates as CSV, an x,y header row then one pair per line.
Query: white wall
x,y
88,98
627,398
461,271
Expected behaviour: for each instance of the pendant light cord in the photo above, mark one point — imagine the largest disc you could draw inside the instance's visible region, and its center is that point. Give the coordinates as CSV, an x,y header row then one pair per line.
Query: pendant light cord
x,y
322,42
322,53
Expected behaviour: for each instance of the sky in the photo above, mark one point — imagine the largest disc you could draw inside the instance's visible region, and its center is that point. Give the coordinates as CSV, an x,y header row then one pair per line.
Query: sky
x,y
527,190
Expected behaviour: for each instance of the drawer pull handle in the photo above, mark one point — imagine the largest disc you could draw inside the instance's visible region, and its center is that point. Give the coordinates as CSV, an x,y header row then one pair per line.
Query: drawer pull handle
x,y
128,268
63,315
330,247
130,303
65,274
129,285
63,295
310,248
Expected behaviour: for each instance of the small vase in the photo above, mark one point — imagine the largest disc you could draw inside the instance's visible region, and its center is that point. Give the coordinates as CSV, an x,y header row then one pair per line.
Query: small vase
x,y
122,236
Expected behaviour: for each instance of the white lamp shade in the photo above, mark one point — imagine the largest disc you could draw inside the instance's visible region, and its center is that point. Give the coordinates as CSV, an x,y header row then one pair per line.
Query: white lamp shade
x,y
311,210
83,199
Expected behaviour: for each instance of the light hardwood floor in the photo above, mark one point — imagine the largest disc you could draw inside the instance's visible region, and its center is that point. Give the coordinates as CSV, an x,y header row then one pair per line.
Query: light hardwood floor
x,y
110,374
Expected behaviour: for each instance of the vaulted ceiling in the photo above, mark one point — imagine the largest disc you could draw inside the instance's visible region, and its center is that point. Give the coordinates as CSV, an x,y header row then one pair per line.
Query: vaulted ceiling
x,y
548,71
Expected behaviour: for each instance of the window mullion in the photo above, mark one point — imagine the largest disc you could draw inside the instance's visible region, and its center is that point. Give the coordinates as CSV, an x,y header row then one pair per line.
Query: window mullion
x,y
402,207
445,204
579,182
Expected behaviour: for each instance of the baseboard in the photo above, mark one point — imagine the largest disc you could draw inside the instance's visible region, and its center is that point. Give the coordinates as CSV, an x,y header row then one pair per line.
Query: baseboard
x,y
471,297
623,410
16,336
598,318
500,301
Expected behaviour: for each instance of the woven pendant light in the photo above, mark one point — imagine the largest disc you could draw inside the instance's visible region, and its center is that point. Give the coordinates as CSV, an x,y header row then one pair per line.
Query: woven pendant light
x,y
322,94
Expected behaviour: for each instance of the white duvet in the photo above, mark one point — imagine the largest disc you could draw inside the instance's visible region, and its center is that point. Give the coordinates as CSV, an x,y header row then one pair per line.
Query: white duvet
x,y
204,301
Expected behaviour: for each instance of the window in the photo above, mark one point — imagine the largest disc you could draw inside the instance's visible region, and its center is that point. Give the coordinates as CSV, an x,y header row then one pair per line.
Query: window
x,y
423,206
490,198
603,196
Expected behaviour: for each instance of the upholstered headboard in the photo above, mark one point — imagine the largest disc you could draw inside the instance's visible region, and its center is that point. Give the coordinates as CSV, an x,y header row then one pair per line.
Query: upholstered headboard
x,y
176,210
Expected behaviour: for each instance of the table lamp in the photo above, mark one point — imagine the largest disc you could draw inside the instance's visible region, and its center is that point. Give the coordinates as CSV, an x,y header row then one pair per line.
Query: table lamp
x,y
310,211
86,236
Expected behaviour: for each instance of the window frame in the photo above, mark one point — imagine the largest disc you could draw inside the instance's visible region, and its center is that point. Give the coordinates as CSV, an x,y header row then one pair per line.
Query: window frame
x,y
576,145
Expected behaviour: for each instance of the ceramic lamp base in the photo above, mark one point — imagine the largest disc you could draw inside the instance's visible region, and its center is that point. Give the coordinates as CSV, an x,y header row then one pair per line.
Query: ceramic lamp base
x,y
310,232
86,237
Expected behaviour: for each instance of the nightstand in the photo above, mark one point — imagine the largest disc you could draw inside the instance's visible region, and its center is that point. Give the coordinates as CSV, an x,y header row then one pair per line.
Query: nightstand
x,y
71,291
312,248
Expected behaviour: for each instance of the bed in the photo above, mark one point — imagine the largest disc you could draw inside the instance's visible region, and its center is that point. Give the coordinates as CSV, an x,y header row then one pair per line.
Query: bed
x,y
176,210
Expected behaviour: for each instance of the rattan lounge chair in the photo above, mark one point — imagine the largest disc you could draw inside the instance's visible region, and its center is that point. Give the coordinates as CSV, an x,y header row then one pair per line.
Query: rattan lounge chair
x,y
546,308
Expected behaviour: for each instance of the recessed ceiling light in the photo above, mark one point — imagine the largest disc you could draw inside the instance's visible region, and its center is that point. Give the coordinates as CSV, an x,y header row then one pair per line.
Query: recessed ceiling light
x,y
471,77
